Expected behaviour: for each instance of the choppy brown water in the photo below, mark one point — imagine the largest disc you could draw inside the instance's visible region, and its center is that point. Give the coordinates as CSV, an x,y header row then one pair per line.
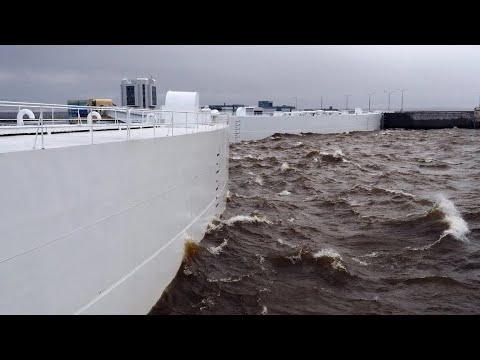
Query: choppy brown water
x,y
369,223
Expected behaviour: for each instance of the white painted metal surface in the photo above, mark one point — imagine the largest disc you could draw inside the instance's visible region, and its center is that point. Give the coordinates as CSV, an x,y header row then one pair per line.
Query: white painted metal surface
x,y
100,229
182,102
22,113
246,128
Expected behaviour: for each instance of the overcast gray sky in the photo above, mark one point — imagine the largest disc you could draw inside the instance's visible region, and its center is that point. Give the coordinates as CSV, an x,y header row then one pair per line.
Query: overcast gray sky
x,y
435,76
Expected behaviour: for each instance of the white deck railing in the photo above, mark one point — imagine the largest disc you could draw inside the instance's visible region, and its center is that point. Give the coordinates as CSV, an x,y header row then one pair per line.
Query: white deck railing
x,y
100,118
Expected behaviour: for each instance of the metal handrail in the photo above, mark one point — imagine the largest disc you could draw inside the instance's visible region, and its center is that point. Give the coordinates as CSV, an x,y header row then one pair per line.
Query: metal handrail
x,y
120,118
88,107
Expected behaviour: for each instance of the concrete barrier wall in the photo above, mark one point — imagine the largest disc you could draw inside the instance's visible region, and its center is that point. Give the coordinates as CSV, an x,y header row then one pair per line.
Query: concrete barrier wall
x,y
245,128
429,120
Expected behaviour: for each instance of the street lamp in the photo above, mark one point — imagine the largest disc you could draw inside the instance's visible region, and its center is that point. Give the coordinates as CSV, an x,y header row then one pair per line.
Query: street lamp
x,y
296,102
402,90
389,93
346,101
369,95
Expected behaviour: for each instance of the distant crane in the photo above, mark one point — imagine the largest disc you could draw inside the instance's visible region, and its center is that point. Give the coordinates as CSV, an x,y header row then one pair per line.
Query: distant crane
x,y
369,95
402,90
346,101
389,93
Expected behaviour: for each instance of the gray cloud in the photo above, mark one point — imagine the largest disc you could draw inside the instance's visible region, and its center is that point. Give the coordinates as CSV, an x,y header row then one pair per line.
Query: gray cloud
x,y
436,76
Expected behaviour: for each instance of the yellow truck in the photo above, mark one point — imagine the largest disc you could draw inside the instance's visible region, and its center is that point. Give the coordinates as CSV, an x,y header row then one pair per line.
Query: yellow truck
x,y
100,102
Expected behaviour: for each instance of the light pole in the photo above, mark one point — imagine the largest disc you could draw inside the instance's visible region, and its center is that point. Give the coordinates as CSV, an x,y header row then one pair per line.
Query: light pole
x,y
369,95
389,93
346,101
296,102
402,90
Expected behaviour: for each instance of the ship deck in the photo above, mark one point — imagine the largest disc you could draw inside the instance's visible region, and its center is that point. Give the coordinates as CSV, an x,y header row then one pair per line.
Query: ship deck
x,y
101,135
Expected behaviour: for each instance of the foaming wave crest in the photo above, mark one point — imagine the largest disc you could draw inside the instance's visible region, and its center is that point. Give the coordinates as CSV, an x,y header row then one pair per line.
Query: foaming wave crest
x,y
457,227
399,192
364,263
331,256
259,180
217,223
284,193
216,250
285,166
246,219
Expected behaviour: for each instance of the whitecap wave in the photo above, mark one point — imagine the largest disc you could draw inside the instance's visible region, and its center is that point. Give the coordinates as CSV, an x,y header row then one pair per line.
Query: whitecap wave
x,y
259,180
246,219
217,223
216,250
337,262
186,270
295,258
457,226
372,254
360,261
399,192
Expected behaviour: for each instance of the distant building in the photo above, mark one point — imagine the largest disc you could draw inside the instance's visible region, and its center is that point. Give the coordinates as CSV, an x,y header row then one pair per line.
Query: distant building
x,y
268,107
231,109
249,111
139,93
265,104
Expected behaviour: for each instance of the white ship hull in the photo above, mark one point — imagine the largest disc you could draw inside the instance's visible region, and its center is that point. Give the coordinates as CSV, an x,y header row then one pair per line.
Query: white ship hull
x,y
247,128
100,229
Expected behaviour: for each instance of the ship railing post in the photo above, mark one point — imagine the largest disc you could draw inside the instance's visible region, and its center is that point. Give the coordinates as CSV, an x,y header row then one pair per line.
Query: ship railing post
x,y
171,121
36,134
91,129
129,120
186,119
41,122
78,112
53,117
